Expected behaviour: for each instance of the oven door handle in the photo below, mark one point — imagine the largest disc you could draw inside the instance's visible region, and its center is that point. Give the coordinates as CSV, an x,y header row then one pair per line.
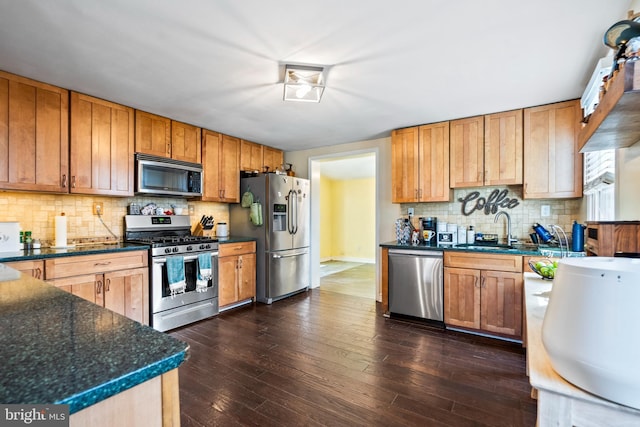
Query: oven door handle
x,y
186,258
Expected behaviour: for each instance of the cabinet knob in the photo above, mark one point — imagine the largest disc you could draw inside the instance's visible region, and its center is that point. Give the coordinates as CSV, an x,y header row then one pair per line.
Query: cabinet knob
x,y
73,181
99,287
64,181
108,283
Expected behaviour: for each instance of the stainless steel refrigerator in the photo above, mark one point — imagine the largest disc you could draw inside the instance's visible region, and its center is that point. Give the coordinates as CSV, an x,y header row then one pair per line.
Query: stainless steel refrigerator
x,y
282,241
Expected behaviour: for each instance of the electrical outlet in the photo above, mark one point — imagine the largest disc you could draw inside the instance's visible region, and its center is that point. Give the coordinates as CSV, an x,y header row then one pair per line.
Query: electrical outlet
x,y
410,211
98,208
545,211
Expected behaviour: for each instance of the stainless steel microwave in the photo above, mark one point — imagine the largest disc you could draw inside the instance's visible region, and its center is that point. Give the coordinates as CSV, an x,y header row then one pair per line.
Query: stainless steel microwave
x,y
167,177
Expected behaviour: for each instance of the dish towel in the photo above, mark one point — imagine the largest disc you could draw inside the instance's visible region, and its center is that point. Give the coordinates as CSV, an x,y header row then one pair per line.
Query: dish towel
x,y
175,275
204,272
256,213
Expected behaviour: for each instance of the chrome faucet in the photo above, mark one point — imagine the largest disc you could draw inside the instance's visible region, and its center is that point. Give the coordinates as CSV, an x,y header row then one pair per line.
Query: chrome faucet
x,y
509,239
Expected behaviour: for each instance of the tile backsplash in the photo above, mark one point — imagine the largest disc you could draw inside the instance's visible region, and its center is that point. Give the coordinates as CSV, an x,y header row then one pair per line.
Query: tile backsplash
x,y
36,212
527,212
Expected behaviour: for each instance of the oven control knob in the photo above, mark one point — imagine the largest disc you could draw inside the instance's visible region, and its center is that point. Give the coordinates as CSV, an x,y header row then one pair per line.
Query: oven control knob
x,y
175,249
189,248
167,250
202,247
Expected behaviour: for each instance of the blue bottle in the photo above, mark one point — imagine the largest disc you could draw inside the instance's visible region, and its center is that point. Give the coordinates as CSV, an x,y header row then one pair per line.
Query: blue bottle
x,y
577,237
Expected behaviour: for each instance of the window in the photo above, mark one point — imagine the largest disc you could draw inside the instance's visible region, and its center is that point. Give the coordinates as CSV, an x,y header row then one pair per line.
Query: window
x,y
599,184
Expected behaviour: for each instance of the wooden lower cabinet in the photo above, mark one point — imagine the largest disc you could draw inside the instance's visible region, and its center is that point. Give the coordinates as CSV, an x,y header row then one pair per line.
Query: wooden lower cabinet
x,y
33,268
488,300
236,273
117,281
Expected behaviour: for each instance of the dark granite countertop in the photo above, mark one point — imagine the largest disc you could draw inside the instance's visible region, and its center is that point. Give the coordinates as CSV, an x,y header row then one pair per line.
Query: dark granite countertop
x,y
235,239
76,250
58,348
523,249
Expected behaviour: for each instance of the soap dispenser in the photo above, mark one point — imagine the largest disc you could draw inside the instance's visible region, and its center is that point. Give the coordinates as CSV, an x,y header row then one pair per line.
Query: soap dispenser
x,y
577,237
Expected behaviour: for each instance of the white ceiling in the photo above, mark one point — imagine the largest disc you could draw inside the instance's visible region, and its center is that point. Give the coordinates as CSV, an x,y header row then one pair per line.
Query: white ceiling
x,y
219,63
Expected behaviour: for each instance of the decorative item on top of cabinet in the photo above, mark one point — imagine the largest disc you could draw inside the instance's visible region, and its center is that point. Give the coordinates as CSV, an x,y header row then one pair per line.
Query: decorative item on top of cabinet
x,y
236,273
102,147
118,281
467,152
251,157
483,292
272,158
552,162
34,154
420,164
221,167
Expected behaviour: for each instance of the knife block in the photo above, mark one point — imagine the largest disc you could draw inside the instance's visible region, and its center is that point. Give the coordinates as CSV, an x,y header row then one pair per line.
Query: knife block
x,y
198,230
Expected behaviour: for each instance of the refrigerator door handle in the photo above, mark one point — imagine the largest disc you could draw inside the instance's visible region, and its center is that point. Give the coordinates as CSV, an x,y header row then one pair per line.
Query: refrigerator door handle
x,y
276,256
294,204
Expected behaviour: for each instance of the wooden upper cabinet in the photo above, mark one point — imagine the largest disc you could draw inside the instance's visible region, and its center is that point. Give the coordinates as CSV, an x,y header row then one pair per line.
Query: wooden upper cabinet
x,y
552,161
503,148
153,134
34,135
102,147
185,142
404,165
433,165
251,156
420,164
467,152
272,158
221,167
163,137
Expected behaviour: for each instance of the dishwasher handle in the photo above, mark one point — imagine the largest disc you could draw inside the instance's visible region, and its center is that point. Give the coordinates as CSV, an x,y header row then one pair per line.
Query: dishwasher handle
x,y
416,252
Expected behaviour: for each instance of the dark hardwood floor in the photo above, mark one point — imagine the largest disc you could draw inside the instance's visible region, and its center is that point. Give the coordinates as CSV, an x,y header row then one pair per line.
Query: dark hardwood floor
x,y
323,358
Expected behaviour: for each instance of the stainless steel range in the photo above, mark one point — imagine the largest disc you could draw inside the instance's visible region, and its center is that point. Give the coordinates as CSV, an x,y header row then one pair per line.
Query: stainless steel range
x,y
173,246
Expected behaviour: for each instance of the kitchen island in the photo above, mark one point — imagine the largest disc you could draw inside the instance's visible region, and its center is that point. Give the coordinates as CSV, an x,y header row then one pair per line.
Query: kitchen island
x,y
57,348
561,403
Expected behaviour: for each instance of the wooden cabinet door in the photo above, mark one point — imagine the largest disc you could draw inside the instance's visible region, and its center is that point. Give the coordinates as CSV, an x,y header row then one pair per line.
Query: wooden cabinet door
x,y
272,157
34,135
462,297
467,152
86,286
230,169
127,292
501,303
211,184
153,134
405,160
250,156
433,164
552,162
186,142
227,280
33,268
102,147
247,277
221,167
503,148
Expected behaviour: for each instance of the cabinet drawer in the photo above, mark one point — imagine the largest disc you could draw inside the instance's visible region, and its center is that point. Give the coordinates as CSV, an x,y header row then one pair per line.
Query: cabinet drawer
x,y
34,268
483,261
94,264
229,249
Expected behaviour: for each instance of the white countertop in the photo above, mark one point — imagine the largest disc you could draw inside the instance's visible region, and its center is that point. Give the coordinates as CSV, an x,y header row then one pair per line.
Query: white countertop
x,y
544,379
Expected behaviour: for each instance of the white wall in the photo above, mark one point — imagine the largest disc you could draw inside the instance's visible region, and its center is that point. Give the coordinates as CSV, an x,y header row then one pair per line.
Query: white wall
x,y
387,212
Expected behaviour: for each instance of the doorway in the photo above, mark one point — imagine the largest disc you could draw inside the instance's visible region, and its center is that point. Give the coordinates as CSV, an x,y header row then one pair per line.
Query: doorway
x,y
344,212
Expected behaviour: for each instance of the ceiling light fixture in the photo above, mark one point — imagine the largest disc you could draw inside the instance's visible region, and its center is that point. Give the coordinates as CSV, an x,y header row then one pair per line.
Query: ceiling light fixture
x,y
303,83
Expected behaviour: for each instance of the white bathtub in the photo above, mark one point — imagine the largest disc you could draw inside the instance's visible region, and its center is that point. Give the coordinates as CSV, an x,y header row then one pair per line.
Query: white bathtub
x,y
591,328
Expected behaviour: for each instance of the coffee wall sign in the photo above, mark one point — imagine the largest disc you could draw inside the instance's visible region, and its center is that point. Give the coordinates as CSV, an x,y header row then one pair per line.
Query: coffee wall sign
x,y
496,200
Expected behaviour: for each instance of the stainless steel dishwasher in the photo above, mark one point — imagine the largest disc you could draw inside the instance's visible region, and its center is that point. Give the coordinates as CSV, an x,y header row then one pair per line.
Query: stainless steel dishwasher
x,y
416,284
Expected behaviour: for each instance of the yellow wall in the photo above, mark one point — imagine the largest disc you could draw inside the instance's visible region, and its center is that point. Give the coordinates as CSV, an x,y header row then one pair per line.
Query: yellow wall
x,y
36,212
348,217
